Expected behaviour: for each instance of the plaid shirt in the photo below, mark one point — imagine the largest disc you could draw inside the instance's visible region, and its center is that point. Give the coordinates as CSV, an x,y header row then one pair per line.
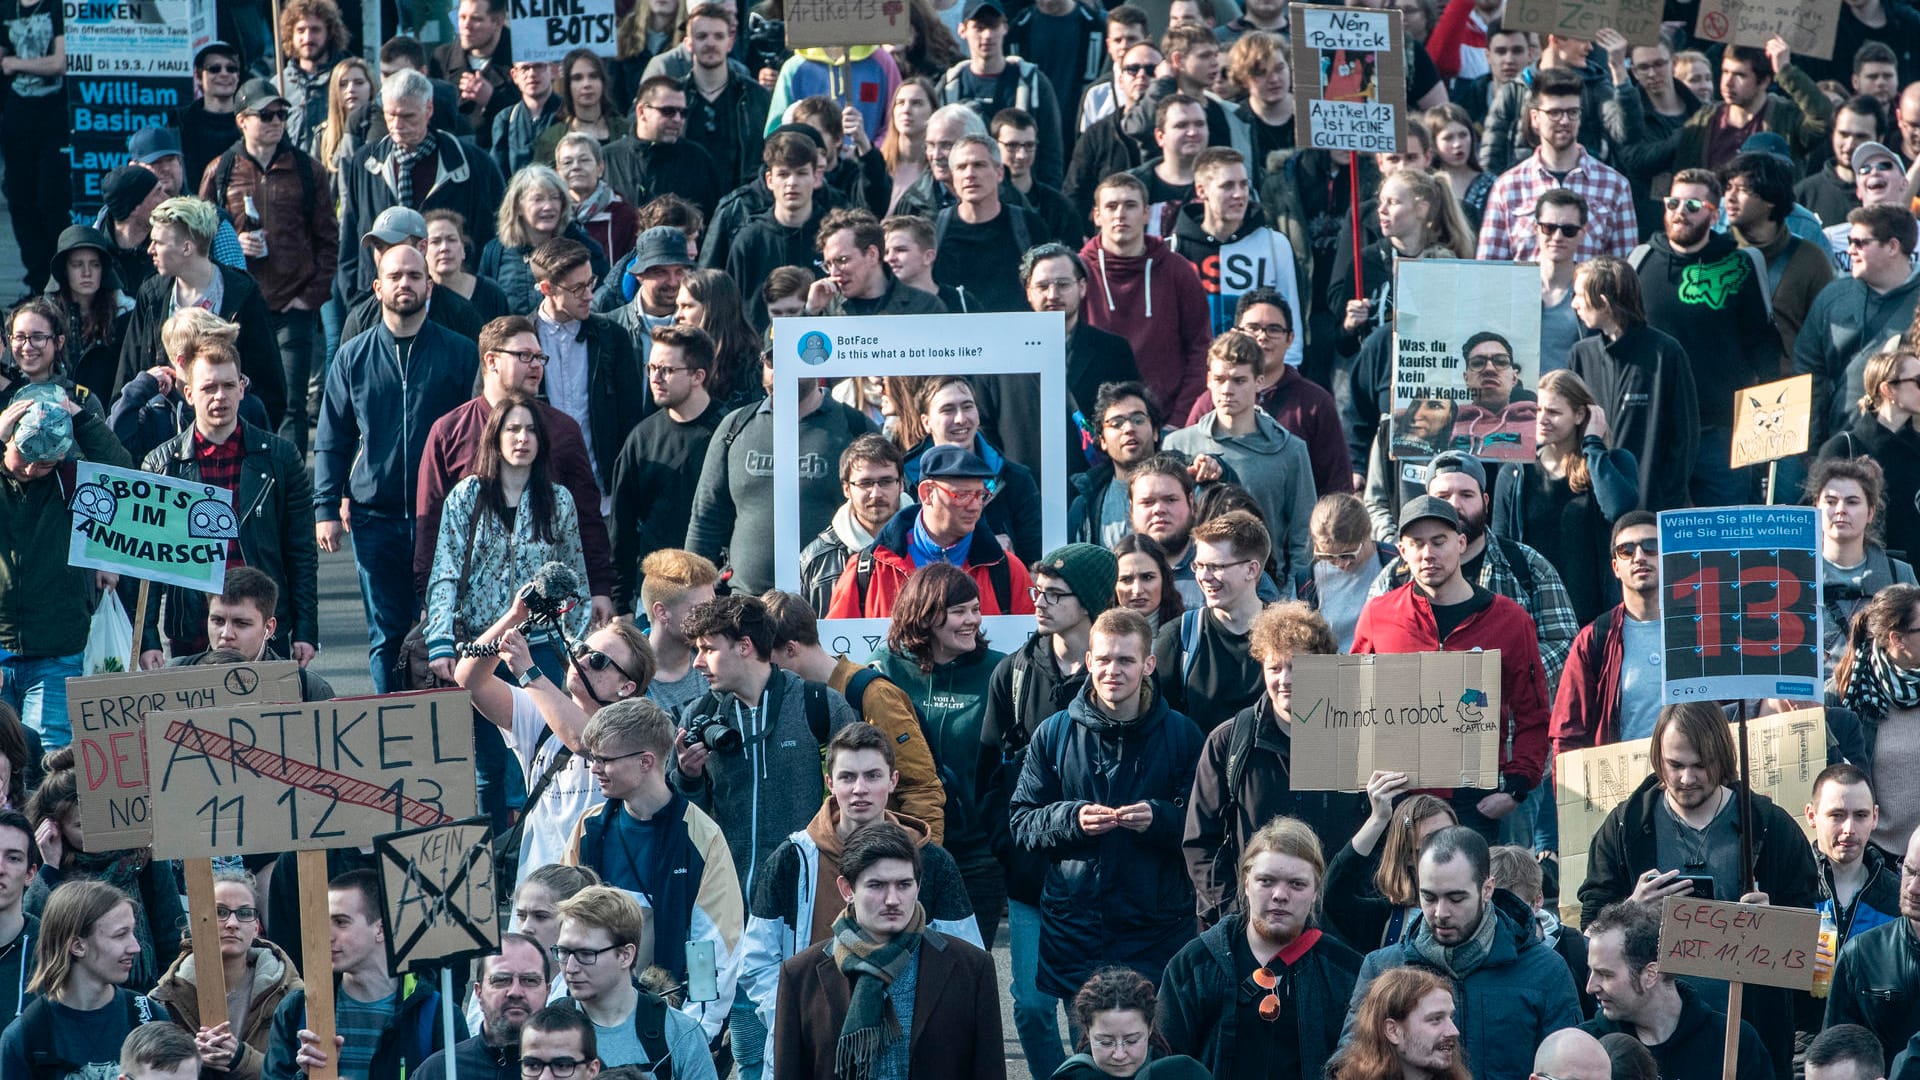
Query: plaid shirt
x,y
1507,233
1548,602
220,466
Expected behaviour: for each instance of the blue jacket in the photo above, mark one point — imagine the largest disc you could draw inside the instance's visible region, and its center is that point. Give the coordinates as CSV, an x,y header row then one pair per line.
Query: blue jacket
x,y
374,417
1123,897
1506,1005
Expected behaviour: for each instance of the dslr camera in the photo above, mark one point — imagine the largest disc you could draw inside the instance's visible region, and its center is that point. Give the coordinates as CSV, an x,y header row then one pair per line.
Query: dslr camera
x,y
718,736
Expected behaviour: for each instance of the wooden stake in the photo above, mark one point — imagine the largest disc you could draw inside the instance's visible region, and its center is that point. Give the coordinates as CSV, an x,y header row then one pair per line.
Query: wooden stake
x,y
316,958
209,972
139,632
1730,1064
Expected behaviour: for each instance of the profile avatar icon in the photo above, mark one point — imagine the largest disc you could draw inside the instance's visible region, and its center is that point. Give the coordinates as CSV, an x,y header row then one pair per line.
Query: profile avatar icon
x,y
211,519
95,502
815,349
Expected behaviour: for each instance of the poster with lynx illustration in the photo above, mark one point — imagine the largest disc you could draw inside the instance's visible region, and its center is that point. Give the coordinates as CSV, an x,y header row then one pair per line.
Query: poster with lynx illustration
x,y
1770,421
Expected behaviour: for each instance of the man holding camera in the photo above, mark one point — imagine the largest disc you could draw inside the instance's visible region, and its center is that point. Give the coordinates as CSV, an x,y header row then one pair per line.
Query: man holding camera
x,y
544,724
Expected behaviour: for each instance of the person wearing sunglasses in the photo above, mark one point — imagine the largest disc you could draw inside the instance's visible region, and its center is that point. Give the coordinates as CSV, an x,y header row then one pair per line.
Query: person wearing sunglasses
x,y
1285,1010
207,125
1610,688
604,936
1104,146
657,160
1855,314
945,526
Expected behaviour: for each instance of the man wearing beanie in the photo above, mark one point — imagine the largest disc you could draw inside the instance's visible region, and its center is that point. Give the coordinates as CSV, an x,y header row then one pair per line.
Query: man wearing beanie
x,y
1072,585
129,194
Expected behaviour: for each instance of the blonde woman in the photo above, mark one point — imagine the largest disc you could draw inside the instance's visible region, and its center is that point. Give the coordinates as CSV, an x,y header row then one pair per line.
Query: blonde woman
x,y
349,87
535,209
1418,218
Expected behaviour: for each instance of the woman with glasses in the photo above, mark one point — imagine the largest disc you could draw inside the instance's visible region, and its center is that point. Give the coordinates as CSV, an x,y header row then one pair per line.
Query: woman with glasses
x,y
1878,677
1371,888
37,354
1850,494
258,974
1884,431
535,209
1145,583
499,527
1564,505
448,246
1113,1024
1346,559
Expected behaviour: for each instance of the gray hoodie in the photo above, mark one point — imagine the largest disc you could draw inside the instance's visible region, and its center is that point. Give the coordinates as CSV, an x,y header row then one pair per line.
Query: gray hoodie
x,y
1273,466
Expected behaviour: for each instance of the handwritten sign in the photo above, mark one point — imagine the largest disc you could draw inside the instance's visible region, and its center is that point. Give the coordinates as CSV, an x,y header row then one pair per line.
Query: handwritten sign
x,y
1785,752
812,23
440,893
327,774
1771,420
156,528
108,714
547,30
1350,78
1743,943
1637,20
1740,606
1808,25
1433,716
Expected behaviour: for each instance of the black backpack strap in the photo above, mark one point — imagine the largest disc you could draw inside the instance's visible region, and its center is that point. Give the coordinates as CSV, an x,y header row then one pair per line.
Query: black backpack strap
x,y
1022,236
735,425
650,1025
223,175
856,692
940,223
1239,750
1517,562
817,720
862,577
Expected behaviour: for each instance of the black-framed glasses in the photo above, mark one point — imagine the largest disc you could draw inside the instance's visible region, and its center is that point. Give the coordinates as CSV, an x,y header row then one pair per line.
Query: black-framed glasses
x,y
560,1067
1915,379
1209,569
580,290
222,913
590,759
880,483
1270,329
1048,597
38,341
597,660
1691,206
1482,363
587,957
1626,548
1570,113
665,371
1855,243
534,357
1562,228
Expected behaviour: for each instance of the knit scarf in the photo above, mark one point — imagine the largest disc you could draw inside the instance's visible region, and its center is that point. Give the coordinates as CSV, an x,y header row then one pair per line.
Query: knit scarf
x,y
594,204
402,163
1879,686
1458,960
870,968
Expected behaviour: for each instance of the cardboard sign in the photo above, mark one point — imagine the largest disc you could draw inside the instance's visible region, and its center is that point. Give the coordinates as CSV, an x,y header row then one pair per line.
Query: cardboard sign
x,y
1637,20
440,893
1785,752
1466,359
813,23
1808,25
1433,716
326,774
1740,605
1349,78
108,714
156,528
547,30
1743,943
1772,420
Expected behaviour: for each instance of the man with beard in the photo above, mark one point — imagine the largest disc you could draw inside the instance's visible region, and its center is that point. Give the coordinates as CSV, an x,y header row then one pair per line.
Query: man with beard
x,y
659,267
1403,1030
480,63
1514,989
1801,113
510,985
726,110
1871,976
872,476
654,160
1438,608
1854,316
1610,688
1685,1035
1301,973
315,38
1701,288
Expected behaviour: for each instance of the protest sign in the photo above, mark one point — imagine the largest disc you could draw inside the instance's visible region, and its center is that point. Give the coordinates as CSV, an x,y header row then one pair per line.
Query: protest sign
x,y
1785,753
1740,605
1637,20
978,346
547,30
1466,359
108,715
812,23
1434,716
440,894
151,527
1349,78
1808,25
247,779
1742,943
129,67
1771,421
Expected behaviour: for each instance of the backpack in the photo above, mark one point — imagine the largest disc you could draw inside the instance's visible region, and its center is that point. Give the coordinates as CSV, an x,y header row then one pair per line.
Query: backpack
x,y
36,1033
650,1024
856,694
1022,236
998,576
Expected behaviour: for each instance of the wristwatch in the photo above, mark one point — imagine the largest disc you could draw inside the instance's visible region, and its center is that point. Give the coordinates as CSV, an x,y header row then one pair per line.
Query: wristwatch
x,y
529,677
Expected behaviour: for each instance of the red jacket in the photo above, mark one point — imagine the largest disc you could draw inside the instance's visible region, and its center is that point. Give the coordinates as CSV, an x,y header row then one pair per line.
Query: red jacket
x,y
1587,712
1401,621
892,567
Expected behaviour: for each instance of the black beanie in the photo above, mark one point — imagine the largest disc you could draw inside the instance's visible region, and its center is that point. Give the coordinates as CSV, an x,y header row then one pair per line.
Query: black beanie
x,y
125,188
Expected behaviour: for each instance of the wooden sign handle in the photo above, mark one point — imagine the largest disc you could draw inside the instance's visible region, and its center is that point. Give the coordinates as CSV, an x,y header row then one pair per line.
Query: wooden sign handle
x,y
133,664
209,971
316,958
1730,1065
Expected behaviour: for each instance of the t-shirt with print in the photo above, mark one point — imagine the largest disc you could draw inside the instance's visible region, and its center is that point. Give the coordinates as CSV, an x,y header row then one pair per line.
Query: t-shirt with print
x,y
360,1024
571,794
28,31
87,1040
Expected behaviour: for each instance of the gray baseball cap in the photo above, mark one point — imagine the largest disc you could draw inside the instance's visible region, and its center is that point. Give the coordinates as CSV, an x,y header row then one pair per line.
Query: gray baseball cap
x,y
397,225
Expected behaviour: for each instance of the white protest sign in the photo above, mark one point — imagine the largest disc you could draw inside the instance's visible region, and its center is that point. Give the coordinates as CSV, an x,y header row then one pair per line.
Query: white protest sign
x,y
550,29
1349,78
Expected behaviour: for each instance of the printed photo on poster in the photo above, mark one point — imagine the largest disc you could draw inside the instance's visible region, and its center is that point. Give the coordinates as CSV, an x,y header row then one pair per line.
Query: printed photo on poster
x,y
1466,358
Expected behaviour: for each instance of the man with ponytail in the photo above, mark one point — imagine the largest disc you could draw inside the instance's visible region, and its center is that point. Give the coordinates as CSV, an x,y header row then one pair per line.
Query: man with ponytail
x,y
887,995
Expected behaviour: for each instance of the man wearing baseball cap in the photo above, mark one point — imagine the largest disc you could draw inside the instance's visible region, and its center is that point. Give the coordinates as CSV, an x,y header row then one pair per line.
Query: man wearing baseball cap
x,y
157,150
944,527
989,80
45,605
399,225
652,283
1879,177
1440,610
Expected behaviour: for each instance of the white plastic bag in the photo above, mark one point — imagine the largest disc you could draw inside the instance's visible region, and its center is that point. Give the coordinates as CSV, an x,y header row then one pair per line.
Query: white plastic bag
x,y
110,641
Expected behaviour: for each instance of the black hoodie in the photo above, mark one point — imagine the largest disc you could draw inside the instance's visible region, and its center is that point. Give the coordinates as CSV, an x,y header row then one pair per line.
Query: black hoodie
x,y
1697,1047
1714,303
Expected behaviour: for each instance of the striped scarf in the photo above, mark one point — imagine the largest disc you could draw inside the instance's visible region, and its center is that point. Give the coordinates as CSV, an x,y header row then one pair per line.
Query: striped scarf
x,y
870,968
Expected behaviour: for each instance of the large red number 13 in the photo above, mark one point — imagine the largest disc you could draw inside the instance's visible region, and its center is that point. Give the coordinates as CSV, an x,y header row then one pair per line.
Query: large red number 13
x,y
1704,589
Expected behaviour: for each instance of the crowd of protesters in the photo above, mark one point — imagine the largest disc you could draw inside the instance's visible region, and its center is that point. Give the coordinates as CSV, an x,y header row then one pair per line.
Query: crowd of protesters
x,y
501,328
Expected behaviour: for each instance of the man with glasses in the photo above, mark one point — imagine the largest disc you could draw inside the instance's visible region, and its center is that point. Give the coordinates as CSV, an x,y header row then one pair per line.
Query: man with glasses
x,y
1206,663
1610,688
1555,107
280,194
1829,193
597,952
511,361
590,371
1019,137
1700,287
1126,27
872,477
1492,375
649,841
1854,317
659,464
857,280
945,527
207,126
509,985
655,161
